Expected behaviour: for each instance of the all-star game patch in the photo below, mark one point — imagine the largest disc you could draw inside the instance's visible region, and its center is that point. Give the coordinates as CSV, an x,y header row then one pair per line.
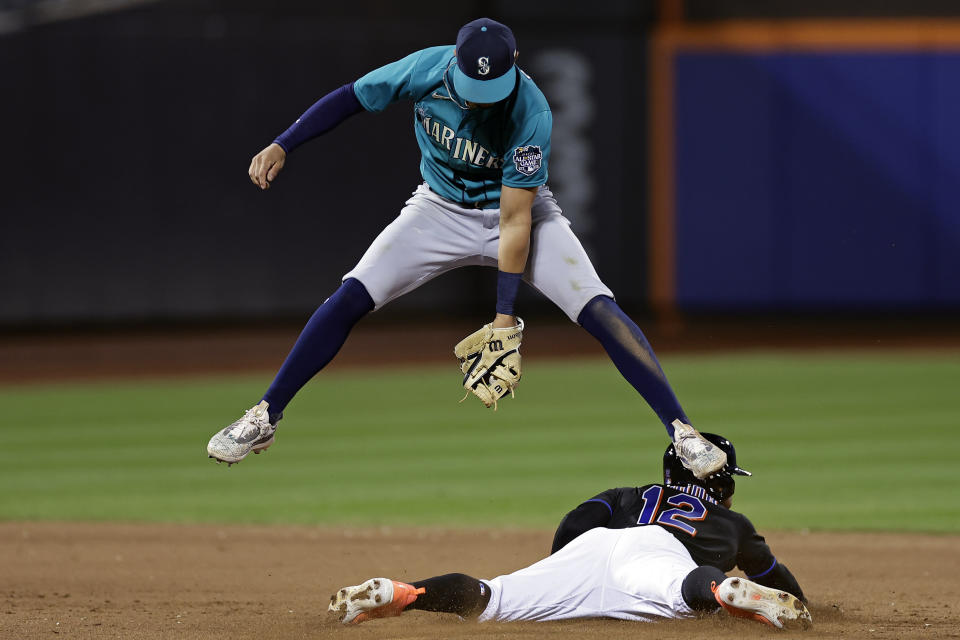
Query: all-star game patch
x,y
528,159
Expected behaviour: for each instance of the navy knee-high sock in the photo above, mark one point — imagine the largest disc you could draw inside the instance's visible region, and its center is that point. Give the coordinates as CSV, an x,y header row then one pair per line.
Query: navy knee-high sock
x,y
631,353
697,588
453,593
319,342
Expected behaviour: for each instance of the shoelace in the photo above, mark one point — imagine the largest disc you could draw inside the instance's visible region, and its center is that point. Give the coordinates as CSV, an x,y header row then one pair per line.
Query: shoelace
x,y
683,439
249,418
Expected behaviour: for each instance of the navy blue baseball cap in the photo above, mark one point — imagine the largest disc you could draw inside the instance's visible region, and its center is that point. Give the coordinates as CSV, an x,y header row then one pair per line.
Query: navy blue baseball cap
x,y
486,51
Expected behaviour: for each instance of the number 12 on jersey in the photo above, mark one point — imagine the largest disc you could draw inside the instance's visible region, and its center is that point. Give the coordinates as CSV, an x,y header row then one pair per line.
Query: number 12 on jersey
x,y
685,507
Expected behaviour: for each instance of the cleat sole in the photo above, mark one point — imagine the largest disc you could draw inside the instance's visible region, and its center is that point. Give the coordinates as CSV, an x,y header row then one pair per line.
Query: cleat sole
x,y
773,607
260,448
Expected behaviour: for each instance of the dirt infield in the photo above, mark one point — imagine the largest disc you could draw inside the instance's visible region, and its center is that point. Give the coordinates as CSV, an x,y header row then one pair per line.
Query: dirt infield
x,y
172,581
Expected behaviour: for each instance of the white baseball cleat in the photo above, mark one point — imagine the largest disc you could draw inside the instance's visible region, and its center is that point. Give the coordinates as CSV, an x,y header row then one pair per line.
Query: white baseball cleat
x,y
745,599
699,455
375,598
253,432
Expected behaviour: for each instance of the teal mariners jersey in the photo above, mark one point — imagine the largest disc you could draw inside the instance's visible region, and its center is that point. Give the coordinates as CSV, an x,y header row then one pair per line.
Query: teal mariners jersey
x,y
466,154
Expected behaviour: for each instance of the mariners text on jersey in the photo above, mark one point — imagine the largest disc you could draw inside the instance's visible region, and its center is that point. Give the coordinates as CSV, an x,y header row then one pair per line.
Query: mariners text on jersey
x,y
462,148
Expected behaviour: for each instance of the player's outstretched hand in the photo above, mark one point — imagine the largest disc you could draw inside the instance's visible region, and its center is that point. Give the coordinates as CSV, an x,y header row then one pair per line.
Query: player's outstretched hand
x,y
266,165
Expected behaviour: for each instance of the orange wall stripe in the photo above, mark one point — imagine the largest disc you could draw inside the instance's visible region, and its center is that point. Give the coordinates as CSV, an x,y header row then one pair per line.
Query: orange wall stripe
x,y
817,35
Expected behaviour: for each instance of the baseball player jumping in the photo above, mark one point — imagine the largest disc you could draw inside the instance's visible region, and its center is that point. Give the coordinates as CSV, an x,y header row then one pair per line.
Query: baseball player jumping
x,y
636,553
483,128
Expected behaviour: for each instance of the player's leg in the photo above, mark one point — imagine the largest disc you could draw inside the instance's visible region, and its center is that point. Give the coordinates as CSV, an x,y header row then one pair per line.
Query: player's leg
x,y
559,267
429,237
455,593
423,242
633,356
631,574
631,353
564,585
319,342
707,589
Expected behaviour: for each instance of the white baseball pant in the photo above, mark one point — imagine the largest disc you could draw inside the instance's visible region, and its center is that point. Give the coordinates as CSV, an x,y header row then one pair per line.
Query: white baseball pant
x,y
632,574
433,235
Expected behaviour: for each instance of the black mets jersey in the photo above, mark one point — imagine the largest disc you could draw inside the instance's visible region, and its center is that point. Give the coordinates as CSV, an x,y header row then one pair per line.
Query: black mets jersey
x,y
713,534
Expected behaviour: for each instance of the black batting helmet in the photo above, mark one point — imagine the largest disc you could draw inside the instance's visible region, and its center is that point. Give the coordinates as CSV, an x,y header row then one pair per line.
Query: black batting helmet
x,y
720,485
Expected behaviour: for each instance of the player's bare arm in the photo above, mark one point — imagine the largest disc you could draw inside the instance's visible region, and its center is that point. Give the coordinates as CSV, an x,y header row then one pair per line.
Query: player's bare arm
x,y
515,223
266,165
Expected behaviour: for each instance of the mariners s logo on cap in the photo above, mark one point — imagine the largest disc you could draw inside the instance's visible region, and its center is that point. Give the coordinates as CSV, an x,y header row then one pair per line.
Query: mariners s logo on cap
x,y
485,71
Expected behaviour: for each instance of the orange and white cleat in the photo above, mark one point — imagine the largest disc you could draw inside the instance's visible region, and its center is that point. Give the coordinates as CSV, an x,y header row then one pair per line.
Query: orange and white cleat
x,y
375,598
745,599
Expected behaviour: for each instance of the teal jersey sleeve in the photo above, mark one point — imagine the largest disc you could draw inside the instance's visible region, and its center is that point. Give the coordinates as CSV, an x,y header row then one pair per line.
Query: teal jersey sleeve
x,y
400,80
525,164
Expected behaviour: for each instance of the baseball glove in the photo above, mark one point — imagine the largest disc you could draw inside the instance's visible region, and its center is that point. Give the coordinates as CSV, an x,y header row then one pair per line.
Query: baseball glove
x,y
490,362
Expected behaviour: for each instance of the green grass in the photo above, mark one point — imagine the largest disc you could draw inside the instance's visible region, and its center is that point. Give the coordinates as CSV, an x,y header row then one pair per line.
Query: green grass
x,y
836,441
